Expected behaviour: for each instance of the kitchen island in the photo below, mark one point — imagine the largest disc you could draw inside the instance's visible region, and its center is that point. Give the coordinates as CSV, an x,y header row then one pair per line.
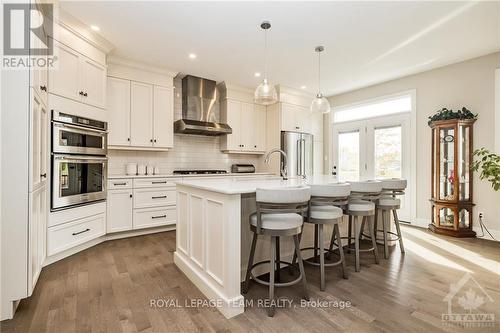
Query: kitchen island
x,y
213,235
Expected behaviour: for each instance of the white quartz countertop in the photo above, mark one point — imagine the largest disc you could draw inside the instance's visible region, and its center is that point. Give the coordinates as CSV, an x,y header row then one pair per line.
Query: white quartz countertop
x,y
170,175
244,185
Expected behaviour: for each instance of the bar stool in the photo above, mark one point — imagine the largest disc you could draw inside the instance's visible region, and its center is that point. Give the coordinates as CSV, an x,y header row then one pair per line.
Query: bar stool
x,y
279,214
324,210
361,205
387,203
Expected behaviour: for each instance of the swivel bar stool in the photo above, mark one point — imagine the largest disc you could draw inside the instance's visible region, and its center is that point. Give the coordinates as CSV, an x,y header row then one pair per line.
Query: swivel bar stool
x,y
279,214
361,205
387,203
324,209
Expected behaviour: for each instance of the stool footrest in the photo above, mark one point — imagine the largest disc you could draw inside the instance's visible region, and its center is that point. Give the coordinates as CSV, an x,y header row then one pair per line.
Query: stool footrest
x,y
310,262
276,284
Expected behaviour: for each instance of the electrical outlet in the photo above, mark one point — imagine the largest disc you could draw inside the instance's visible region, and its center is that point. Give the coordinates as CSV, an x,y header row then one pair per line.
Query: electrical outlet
x,y
481,215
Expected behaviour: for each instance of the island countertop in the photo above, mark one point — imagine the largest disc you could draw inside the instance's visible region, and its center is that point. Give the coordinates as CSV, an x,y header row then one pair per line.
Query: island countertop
x,y
249,185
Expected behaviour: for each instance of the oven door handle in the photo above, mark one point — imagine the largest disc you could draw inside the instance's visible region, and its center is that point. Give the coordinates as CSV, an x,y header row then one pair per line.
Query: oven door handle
x,y
80,129
77,158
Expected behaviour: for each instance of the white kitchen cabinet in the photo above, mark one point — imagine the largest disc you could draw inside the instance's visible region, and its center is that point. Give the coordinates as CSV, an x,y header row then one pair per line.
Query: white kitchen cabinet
x,y
154,217
39,75
248,123
38,142
118,109
119,210
77,77
163,117
36,235
141,114
295,118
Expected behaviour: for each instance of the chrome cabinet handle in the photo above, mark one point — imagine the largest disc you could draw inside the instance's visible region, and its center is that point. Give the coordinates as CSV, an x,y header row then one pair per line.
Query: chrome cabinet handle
x,y
159,217
80,232
159,197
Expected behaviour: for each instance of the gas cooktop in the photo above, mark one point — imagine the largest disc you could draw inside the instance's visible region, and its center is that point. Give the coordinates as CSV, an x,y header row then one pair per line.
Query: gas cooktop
x,y
198,172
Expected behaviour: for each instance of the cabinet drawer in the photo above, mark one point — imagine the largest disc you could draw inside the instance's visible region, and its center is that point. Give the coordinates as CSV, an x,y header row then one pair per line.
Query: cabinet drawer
x,y
68,235
115,184
154,182
151,197
153,217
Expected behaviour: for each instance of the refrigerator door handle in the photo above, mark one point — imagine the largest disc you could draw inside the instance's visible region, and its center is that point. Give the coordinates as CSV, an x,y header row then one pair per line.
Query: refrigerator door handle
x,y
299,158
302,159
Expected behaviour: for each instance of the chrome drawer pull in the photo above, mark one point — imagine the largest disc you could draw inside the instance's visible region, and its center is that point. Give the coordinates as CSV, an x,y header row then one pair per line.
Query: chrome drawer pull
x,y
159,217
163,182
80,232
119,184
159,197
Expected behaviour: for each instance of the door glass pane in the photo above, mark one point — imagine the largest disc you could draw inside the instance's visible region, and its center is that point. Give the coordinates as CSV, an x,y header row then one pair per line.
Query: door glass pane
x,y
388,154
348,156
447,162
463,162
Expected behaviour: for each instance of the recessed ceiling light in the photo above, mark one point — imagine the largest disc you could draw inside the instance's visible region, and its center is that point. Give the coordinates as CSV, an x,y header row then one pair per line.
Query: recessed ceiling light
x,y
95,28
257,74
303,87
192,56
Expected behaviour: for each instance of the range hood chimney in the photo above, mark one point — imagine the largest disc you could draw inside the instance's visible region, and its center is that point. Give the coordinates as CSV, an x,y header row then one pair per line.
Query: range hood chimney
x,y
198,117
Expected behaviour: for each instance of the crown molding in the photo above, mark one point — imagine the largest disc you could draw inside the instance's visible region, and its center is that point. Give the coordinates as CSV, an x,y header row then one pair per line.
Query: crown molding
x,y
80,29
115,60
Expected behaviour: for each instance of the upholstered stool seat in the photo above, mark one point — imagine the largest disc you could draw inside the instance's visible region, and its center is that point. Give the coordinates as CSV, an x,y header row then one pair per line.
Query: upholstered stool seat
x,y
389,201
361,206
278,221
330,213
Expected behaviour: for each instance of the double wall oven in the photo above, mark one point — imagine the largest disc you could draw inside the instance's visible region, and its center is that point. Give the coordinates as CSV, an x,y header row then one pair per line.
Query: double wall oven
x,y
79,162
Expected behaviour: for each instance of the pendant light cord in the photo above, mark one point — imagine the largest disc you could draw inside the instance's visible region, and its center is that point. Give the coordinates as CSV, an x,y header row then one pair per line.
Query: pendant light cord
x,y
265,52
319,72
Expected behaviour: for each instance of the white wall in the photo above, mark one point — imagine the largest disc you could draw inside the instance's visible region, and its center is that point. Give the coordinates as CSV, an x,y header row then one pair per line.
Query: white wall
x,y
470,84
189,152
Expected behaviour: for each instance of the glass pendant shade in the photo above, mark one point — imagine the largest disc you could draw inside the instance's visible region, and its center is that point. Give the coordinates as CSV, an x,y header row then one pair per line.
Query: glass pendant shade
x,y
320,104
265,94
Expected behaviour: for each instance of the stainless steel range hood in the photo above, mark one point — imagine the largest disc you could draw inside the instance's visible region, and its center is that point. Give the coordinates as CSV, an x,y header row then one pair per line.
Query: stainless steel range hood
x,y
198,116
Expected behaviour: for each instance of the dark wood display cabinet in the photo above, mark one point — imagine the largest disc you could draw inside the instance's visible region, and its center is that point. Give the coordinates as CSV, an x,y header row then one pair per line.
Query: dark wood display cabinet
x,y
452,177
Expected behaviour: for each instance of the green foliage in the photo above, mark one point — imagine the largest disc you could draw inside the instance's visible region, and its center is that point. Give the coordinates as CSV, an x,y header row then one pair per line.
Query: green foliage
x,y
447,114
489,164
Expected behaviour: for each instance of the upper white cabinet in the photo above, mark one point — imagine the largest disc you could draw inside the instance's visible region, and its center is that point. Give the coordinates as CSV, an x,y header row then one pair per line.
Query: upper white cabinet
x,y
140,115
77,77
295,118
248,122
118,101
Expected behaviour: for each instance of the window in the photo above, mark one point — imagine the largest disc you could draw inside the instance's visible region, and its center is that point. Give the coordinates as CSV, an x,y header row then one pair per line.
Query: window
x,y
390,106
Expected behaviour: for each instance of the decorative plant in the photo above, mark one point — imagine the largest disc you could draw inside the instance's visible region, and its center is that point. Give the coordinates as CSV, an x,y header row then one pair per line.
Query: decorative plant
x,y
489,165
446,114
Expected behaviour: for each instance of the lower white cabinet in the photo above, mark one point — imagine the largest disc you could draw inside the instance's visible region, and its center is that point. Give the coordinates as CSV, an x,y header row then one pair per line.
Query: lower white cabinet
x,y
154,217
119,211
36,235
141,203
71,234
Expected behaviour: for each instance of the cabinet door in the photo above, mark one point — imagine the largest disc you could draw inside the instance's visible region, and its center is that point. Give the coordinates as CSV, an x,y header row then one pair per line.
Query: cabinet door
x,y
163,117
39,75
260,128
247,127
42,227
303,119
64,78
44,143
234,121
118,108
35,141
141,114
33,239
93,82
119,210
288,118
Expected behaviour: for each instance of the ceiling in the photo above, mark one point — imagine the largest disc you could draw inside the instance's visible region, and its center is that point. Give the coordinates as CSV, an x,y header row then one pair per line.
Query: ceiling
x,y
365,42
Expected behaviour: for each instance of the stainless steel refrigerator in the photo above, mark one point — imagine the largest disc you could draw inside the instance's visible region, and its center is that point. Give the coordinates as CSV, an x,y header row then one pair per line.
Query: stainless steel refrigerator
x,y
299,150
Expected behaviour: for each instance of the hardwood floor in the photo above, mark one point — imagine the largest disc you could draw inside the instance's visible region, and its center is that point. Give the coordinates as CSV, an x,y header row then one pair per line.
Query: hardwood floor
x,y
108,288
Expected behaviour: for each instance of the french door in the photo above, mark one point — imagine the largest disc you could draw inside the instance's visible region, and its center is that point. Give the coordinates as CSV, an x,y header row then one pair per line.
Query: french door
x,y
374,148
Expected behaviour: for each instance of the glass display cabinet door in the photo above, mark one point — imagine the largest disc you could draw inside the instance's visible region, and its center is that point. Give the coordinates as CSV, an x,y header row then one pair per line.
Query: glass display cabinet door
x,y
464,174
447,172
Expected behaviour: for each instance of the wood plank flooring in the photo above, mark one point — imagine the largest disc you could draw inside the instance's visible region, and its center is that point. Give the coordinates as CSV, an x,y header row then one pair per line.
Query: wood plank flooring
x,y
108,288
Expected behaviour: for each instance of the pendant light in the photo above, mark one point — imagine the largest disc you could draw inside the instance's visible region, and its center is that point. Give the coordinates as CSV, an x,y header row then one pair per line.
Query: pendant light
x,y
265,93
320,104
